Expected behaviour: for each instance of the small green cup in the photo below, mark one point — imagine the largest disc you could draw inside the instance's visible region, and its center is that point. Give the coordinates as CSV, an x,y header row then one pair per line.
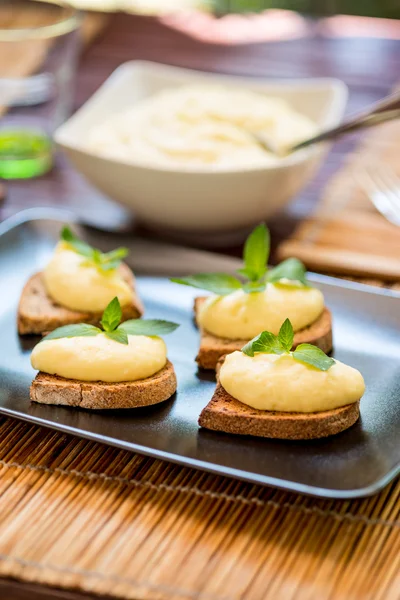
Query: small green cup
x,y
24,153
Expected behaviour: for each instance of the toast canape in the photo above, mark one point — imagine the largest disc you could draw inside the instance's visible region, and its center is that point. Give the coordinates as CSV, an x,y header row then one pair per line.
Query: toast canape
x,y
75,287
267,390
121,365
259,299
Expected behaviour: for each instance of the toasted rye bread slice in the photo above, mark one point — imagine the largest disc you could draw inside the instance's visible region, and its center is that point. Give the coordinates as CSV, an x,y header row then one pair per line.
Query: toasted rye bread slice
x,y
225,413
38,314
52,389
212,347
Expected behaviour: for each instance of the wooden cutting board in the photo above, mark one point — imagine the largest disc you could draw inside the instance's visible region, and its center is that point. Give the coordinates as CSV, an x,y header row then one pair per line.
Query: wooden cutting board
x,y
346,235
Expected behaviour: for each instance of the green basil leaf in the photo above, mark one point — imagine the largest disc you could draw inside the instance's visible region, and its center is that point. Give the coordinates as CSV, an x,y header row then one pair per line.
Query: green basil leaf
x,y
269,344
248,348
70,331
218,283
254,286
256,253
286,335
266,342
103,261
291,269
118,336
313,356
148,327
111,260
117,254
78,245
112,315
96,256
109,266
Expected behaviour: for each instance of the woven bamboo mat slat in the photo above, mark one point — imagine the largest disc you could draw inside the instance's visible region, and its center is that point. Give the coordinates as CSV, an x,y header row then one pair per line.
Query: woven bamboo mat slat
x,y
346,235
76,514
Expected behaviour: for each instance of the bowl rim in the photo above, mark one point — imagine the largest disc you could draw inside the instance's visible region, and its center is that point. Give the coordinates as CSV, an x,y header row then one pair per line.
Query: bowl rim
x,y
336,110
66,23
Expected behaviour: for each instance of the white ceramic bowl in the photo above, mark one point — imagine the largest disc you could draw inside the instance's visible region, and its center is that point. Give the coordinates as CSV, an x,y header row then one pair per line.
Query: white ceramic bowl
x,y
190,201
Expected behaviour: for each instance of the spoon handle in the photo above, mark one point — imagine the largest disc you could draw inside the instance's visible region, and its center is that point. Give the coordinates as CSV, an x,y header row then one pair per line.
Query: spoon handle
x,y
382,111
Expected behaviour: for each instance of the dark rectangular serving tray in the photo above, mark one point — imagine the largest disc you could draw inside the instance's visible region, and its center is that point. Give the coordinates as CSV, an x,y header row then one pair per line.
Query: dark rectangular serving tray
x,y
355,463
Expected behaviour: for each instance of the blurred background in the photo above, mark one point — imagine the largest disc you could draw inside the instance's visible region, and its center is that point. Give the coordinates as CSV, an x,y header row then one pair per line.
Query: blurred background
x,y
371,8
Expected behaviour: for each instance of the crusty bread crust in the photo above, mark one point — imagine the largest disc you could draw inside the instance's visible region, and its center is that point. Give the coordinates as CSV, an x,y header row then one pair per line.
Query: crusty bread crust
x,y
38,314
52,389
225,413
212,348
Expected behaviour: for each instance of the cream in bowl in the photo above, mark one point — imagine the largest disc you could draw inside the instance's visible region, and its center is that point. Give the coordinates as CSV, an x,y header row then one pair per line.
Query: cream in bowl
x,y
211,179
201,127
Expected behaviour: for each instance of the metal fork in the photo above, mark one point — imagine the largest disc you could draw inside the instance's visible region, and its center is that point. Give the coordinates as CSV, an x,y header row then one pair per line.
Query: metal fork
x,y
382,186
384,110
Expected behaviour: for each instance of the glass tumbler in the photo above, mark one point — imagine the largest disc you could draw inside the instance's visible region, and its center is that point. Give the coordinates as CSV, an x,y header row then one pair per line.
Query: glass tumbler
x,y
39,45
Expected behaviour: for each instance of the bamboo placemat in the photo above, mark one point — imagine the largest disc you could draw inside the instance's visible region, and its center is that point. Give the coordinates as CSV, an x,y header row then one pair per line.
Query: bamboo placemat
x,y
76,514
346,235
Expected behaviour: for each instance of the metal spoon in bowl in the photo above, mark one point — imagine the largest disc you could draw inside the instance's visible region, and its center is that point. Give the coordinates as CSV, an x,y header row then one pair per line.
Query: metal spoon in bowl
x,y
385,110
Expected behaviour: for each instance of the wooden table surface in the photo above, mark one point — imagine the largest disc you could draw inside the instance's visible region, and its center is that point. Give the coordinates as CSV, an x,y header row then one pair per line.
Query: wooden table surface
x,y
370,67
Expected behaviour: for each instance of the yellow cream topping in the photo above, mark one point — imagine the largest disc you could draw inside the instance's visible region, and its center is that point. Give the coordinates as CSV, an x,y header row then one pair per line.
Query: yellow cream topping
x,y
243,316
280,383
99,358
76,284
